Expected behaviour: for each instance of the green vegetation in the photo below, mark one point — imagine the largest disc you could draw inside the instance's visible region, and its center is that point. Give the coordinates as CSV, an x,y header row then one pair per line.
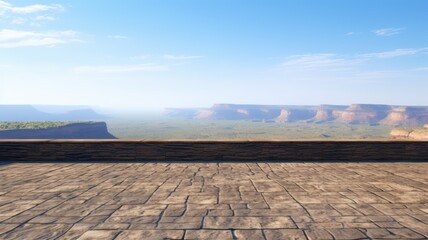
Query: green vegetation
x,y
174,128
32,125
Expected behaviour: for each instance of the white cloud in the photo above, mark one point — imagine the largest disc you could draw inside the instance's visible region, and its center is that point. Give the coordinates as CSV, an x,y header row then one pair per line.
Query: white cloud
x,y
395,53
106,69
7,7
386,32
19,20
175,57
118,37
27,14
323,61
14,38
44,18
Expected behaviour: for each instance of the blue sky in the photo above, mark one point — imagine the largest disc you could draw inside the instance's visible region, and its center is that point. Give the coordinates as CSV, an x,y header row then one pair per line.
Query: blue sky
x,y
151,54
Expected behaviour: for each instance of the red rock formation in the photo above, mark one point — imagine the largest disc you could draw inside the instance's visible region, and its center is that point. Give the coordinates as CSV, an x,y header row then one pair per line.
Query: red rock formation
x,y
355,113
283,116
205,114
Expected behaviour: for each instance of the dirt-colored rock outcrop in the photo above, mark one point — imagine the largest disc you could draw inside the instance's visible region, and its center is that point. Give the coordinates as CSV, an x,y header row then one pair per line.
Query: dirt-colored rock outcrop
x,y
410,134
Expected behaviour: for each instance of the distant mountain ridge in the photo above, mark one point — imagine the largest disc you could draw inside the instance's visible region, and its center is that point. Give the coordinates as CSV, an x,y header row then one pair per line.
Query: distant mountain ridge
x,y
31,113
354,114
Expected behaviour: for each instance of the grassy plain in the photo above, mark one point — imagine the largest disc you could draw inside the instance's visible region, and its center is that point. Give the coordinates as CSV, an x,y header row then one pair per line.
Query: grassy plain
x,y
32,125
176,128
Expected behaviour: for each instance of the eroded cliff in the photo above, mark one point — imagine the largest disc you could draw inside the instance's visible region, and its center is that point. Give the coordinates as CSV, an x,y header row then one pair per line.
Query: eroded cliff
x,y
354,114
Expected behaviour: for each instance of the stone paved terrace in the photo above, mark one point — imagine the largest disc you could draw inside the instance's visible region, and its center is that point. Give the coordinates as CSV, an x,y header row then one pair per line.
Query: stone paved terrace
x,y
214,200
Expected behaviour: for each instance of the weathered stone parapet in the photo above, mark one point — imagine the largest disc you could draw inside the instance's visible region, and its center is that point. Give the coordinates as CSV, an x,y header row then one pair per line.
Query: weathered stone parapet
x,y
208,150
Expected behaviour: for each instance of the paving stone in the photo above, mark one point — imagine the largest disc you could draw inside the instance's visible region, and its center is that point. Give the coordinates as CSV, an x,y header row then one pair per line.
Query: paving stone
x,y
220,213
248,222
139,210
37,231
99,234
132,219
318,234
379,233
111,226
268,186
23,217
405,233
202,199
76,231
94,219
347,233
13,209
150,234
234,200
285,234
174,210
391,224
71,210
414,224
209,234
7,227
249,234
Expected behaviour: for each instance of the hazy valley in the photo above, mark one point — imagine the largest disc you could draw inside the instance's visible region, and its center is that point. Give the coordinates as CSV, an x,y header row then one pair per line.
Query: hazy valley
x,y
221,121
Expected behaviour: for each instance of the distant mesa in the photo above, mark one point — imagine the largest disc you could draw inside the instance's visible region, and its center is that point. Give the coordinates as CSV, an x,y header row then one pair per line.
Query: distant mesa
x,y
32,113
87,130
354,114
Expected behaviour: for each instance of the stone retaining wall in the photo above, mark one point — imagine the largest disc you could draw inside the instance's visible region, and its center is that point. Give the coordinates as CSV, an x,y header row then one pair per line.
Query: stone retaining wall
x,y
200,150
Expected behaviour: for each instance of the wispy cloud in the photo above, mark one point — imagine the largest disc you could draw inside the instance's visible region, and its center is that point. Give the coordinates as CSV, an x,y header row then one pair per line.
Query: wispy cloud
x,y
140,57
19,20
396,53
14,38
7,7
108,69
32,21
386,32
44,18
33,15
181,57
323,61
334,62
118,37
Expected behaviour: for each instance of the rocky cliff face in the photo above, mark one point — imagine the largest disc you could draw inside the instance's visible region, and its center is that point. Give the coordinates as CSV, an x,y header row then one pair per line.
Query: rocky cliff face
x,y
97,130
361,113
354,114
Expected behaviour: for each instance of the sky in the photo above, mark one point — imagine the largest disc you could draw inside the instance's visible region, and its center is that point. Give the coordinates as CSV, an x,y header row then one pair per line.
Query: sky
x,y
151,54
